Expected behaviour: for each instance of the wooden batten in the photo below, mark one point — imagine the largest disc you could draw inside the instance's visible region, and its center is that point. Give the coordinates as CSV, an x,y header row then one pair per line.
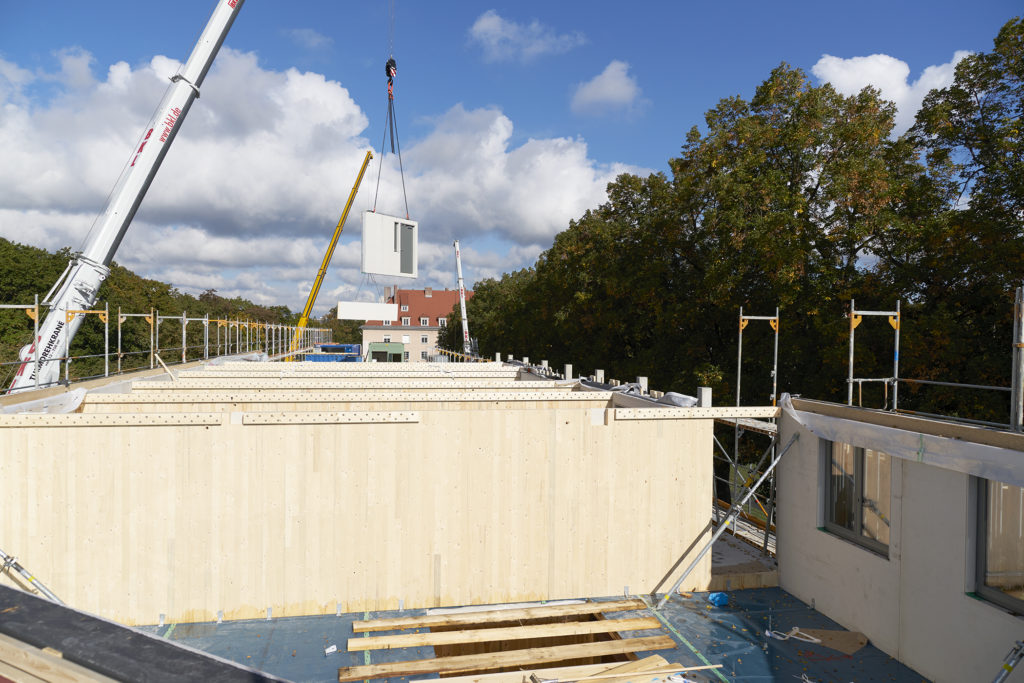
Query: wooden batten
x,y
498,660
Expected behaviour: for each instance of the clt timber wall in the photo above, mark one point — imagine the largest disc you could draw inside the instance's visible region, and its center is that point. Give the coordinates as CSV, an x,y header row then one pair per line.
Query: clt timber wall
x,y
240,507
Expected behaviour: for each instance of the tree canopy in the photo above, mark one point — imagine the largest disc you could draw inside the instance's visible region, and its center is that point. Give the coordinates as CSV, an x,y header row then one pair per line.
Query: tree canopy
x,y
30,271
801,198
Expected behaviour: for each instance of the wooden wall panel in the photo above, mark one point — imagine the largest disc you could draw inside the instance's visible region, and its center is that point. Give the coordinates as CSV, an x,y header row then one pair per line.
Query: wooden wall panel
x,y
464,506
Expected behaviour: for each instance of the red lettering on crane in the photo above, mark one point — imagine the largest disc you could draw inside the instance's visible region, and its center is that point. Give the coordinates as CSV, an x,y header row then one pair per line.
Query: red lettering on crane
x,y
144,140
169,121
232,3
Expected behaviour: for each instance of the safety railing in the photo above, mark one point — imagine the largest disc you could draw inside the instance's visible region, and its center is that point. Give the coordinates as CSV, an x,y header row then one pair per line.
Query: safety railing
x,y
457,357
126,348
890,385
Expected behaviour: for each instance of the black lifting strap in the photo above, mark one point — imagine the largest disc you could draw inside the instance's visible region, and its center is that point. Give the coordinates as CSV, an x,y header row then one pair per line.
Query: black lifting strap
x,y
391,129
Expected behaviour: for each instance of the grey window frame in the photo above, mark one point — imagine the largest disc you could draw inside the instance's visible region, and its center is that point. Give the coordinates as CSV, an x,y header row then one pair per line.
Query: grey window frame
x,y
424,339
855,535
992,595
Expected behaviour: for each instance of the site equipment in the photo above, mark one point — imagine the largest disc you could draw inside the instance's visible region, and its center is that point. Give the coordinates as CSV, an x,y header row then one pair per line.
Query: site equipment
x,y
76,290
301,327
462,301
1010,661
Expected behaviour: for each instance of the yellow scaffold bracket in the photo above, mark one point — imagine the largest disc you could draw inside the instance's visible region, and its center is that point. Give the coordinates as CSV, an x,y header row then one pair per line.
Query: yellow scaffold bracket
x,y
774,322
894,320
854,321
743,323
70,314
32,313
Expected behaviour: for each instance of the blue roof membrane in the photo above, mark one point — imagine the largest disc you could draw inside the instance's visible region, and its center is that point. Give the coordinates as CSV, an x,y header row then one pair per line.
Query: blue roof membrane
x,y
732,635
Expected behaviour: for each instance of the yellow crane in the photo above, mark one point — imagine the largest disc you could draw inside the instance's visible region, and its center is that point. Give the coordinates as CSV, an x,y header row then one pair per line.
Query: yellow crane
x,y
300,328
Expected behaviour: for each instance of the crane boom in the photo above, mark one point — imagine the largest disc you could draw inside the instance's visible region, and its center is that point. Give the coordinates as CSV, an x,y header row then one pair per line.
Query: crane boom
x,y
308,310
462,301
79,286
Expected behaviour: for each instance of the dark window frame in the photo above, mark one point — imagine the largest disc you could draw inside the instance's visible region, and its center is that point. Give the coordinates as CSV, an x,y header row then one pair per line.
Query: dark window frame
x,y
855,535
993,595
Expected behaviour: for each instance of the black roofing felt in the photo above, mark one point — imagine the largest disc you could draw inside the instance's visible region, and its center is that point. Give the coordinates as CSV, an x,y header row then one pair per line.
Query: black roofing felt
x,y
108,648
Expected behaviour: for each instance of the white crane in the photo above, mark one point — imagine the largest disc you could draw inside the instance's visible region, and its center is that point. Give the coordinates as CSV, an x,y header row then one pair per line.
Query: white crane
x,y
76,290
462,301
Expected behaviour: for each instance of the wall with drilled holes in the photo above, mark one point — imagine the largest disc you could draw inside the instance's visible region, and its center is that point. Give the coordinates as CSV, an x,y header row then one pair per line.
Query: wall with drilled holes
x,y
132,510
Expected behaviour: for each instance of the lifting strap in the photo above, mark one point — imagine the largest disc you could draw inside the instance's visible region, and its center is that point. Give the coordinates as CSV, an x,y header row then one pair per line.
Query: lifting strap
x,y
391,127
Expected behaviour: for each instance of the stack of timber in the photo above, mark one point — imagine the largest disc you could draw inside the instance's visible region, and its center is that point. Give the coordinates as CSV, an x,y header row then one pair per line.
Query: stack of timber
x,y
516,640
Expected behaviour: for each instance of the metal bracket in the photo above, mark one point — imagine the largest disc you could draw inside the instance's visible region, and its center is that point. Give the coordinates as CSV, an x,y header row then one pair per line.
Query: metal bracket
x,y
854,321
32,313
70,314
894,320
774,322
743,323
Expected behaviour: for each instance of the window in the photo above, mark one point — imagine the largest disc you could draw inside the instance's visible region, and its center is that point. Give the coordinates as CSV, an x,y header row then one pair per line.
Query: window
x,y
405,307
424,339
442,322
387,338
857,494
424,321
405,356
387,323
1000,576
406,321
423,355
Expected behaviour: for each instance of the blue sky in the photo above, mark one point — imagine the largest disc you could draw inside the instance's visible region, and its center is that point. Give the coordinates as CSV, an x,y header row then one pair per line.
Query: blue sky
x,y
513,117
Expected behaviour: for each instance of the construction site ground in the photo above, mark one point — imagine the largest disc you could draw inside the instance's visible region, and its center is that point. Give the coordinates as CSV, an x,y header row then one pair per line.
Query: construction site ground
x,y
732,635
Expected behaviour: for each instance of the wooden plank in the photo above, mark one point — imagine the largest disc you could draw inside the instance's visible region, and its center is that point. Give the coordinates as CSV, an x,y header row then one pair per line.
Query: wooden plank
x,y
110,419
509,633
308,417
499,660
714,413
563,672
44,664
493,616
644,676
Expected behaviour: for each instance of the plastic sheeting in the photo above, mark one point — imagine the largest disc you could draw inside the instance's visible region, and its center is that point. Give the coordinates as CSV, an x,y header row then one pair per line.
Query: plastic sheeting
x,y
61,403
681,400
255,357
980,460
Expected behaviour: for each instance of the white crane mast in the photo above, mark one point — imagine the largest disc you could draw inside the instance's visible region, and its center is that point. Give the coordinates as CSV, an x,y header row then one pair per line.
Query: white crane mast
x,y
462,301
77,288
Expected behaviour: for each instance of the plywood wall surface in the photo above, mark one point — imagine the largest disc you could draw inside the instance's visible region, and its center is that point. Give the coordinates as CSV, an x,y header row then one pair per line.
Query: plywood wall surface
x,y
458,507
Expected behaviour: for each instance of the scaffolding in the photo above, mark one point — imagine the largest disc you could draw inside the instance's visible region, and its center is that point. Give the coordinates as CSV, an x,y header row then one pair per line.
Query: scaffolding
x,y
894,321
238,336
1016,388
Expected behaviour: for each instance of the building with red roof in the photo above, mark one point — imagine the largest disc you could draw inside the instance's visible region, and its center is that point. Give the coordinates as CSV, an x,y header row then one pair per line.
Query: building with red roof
x,y
421,315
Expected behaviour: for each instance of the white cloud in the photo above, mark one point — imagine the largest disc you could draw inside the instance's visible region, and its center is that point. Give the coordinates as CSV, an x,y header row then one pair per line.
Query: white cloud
x,y
468,179
308,38
504,40
890,76
612,89
249,194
